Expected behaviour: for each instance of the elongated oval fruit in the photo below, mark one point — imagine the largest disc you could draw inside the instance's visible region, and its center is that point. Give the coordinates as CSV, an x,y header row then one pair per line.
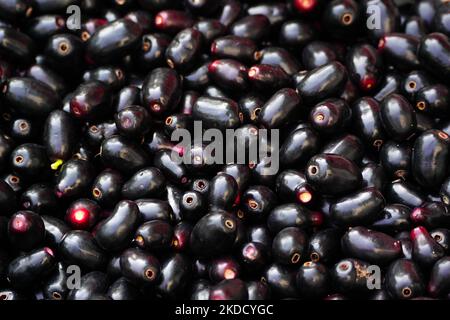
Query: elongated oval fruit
x,y
25,271
348,145
75,176
439,283
400,50
220,113
161,91
323,82
26,230
213,234
292,186
395,218
154,235
16,45
29,97
288,246
123,155
404,280
430,154
324,246
433,100
398,117
371,246
91,285
396,159
113,40
299,146
115,232
288,215
229,75
55,229
78,247
59,135
333,174
55,288
365,67
234,47
402,192
175,275
90,100
434,55
184,49
426,251
145,183
139,266
361,208
330,116
279,109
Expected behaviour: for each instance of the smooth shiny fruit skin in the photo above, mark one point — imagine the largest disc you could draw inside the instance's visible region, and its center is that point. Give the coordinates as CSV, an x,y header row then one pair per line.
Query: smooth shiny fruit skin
x,y
60,135
113,40
278,57
291,186
391,84
333,174
395,218
223,190
234,47
154,209
233,289
154,236
431,215
400,50
350,276
82,214
255,27
55,229
360,208
313,280
398,117
16,45
213,234
73,179
79,247
442,236
371,246
133,121
257,201
49,77
91,284
220,113
145,183
279,109
434,55
431,150
323,82
123,155
90,100
30,97
173,21
281,281
30,161
122,289
258,290
330,116
433,100
317,53
396,159
66,52
324,246
115,232
439,283
161,91
267,78
107,187
26,230
288,215
229,75
210,29
289,245
403,192
349,146
299,146
150,54
414,82
296,34
365,67
223,268
26,270
254,256
173,170
404,280
175,275
139,266
184,49
426,251
55,288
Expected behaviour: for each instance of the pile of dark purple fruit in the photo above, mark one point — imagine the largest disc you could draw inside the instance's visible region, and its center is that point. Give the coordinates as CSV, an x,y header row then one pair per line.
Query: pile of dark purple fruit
x,y
93,204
